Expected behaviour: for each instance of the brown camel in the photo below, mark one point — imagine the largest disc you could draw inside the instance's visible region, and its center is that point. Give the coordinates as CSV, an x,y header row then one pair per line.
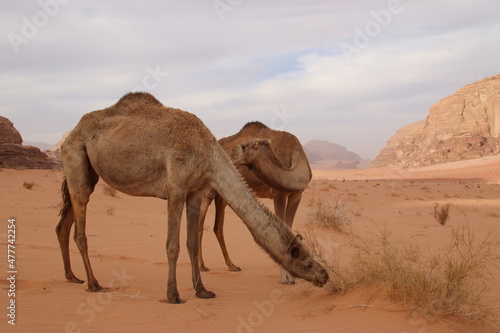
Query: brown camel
x,y
274,166
142,148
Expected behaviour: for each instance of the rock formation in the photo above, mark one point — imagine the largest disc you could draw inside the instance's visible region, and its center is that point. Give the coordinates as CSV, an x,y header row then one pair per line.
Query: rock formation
x,y
55,152
323,150
465,125
14,155
8,134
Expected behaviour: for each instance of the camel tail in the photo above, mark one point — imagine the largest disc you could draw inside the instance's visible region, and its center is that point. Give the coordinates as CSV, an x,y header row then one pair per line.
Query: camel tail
x,y
67,208
67,216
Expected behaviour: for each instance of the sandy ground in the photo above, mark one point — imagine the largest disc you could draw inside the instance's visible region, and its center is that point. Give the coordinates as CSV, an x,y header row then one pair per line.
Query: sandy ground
x,y
127,250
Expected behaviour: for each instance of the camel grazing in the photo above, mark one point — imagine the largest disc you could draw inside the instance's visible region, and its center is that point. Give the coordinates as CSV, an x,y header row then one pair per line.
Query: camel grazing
x,y
142,148
274,166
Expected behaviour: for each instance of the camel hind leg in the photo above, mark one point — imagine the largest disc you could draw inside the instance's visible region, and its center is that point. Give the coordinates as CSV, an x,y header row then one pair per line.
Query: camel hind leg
x,y
220,206
80,180
205,202
63,230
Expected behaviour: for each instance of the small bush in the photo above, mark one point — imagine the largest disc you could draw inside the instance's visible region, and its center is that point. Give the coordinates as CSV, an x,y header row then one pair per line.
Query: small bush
x,y
454,281
28,185
442,213
110,210
108,190
338,281
334,216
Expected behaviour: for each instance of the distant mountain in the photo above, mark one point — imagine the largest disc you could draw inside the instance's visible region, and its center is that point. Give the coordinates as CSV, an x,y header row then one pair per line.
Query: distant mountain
x,y
324,155
317,150
43,146
462,126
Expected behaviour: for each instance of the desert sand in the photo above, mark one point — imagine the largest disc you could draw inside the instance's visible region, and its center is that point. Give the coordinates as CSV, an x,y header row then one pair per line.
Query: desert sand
x,y
127,249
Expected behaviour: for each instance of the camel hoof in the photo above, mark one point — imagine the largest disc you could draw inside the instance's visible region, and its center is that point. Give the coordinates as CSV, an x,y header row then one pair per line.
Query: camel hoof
x,y
288,282
175,300
205,294
95,287
234,269
287,278
204,269
74,279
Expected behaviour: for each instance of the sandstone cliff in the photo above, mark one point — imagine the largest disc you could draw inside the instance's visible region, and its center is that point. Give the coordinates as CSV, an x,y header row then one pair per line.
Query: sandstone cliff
x,y
55,152
462,126
14,155
8,134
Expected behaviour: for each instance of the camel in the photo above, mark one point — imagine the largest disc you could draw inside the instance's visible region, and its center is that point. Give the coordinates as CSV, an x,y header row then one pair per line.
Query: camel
x,y
142,148
274,165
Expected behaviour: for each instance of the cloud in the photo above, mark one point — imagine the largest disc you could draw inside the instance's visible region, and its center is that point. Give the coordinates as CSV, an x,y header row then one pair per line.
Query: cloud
x,y
263,57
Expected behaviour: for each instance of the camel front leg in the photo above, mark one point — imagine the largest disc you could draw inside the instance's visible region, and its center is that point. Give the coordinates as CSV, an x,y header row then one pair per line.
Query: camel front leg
x,y
280,201
291,207
193,206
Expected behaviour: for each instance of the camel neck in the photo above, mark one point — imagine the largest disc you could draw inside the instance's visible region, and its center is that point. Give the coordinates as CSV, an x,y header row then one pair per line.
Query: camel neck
x,y
267,230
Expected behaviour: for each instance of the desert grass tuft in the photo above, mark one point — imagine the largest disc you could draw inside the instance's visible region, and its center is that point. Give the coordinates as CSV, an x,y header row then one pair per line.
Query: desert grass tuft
x,y
110,210
336,216
28,185
339,280
442,214
108,190
455,281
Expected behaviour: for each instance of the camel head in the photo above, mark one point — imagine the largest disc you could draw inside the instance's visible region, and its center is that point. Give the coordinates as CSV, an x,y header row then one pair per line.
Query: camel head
x,y
298,261
247,153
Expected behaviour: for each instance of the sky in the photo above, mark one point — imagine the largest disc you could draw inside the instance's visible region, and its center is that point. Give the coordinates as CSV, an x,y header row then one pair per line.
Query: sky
x,y
349,72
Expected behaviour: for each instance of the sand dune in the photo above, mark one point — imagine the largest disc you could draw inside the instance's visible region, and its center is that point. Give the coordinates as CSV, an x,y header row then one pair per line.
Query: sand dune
x,y
127,249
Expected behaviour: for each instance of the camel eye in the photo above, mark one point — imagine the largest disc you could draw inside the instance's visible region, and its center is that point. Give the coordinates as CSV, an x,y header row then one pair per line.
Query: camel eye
x,y
295,252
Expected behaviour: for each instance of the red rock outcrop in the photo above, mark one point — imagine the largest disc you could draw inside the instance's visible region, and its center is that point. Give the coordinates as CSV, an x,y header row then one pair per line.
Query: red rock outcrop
x,y
8,134
465,125
14,155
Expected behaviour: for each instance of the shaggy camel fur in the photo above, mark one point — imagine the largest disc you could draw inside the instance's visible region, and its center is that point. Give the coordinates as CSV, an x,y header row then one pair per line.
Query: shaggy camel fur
x,y
142,148
274,166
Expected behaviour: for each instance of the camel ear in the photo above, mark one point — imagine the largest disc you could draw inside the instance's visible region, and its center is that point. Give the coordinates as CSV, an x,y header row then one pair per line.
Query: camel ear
x,y
262,142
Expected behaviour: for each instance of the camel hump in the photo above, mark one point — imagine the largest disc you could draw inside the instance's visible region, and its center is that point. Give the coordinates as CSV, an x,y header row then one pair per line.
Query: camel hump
x,y
255,125
134,98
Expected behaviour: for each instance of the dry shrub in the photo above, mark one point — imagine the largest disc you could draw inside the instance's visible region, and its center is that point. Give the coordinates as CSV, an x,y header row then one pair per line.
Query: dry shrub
x,y
455,281
334,216
108,190
442,213
28,185
338,281
110,210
